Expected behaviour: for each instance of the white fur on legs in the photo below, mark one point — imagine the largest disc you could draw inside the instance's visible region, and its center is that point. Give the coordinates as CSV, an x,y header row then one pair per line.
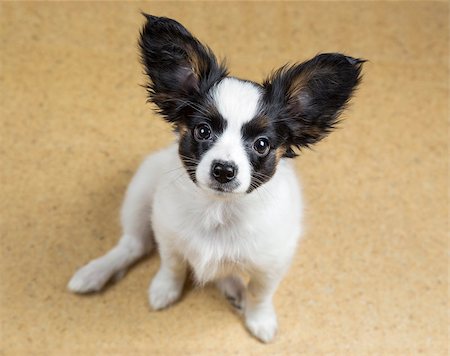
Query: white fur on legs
x,y
93,276
260,316
192,227
261,320
233,288
167,285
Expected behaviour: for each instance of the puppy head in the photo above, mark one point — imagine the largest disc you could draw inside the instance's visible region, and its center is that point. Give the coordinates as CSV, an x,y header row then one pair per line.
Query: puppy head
x,y
233,133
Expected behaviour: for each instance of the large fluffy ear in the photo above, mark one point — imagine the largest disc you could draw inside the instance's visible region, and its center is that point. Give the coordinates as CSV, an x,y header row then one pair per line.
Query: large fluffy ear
x,y
180,68
306,99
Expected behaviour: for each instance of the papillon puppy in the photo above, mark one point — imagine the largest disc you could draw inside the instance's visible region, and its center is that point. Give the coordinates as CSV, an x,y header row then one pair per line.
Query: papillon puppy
x,y
223,201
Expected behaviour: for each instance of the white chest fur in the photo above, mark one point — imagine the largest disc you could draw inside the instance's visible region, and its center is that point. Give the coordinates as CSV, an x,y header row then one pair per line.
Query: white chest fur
x,y
218,235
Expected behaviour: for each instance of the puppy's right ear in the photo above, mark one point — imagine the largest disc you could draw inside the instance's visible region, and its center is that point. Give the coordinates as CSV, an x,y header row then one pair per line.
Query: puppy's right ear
x,y
179,67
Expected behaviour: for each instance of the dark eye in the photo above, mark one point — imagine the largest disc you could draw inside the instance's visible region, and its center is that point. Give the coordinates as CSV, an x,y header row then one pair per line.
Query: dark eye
x,y
261,146
202,132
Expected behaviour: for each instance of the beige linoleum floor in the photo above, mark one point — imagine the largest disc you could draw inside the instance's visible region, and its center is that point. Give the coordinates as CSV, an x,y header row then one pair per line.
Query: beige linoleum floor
x,y
371,275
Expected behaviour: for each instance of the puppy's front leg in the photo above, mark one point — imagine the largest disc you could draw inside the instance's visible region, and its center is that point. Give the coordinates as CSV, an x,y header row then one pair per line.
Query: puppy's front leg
x,y
260,316
167,285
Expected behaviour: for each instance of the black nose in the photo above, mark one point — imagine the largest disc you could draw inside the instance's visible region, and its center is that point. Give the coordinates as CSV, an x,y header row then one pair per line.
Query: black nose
x,y
223,172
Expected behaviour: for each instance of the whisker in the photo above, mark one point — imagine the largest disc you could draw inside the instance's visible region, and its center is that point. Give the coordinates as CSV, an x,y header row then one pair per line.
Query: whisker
x,y
186,158
174,169
191,104
176,179
258,186
261,175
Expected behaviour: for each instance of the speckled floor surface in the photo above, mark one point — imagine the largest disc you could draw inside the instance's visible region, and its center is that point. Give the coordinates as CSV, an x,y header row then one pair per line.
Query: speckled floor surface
x,y
371,275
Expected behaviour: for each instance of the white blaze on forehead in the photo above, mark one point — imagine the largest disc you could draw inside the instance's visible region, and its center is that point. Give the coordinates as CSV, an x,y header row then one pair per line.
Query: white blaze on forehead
x,y
236,100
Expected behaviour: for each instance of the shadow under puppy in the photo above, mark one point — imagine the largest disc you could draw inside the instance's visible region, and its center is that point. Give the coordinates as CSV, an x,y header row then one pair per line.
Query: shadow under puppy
x,y
224,198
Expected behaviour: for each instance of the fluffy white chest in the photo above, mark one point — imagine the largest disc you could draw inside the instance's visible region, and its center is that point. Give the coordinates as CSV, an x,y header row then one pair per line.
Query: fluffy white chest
x,y
214,237
217,236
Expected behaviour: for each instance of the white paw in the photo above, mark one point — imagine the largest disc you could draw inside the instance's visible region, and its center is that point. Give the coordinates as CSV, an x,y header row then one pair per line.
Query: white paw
x,y
263,325
164,291
90,278
233,288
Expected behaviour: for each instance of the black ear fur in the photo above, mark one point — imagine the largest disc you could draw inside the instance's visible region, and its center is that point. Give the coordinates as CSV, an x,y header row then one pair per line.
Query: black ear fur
x,y
179,67
306,99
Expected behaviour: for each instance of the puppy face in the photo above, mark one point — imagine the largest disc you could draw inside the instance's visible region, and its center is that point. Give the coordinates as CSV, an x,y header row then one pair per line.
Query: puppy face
x,y
233,133
229,145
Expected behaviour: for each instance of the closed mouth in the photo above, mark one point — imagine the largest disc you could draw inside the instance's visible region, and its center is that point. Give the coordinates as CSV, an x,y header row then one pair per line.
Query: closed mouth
x,y
226,188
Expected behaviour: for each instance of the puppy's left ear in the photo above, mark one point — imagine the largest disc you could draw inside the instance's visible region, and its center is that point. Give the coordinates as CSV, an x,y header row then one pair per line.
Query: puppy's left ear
x,y
306,99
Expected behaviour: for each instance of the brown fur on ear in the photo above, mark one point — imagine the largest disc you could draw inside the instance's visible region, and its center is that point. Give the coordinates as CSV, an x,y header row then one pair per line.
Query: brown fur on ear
x,y
200,60
306,99
280,153
296,87
182,129
179,67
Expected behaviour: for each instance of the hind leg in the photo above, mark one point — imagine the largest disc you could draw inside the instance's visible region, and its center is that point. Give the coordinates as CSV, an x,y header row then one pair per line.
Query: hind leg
x,y
93,276
233,288
135,242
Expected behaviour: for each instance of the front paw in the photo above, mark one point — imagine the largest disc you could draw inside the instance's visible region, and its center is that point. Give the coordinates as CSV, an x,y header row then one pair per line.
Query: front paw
x,y
262,324
164,291
90,278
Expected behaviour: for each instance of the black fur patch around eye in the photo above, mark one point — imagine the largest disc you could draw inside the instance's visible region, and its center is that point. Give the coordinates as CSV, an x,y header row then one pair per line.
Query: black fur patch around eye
x,y
263,168
191,150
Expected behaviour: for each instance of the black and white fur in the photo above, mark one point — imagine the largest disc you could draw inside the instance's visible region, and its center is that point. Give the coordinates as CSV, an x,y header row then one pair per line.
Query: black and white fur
x,y
223,199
